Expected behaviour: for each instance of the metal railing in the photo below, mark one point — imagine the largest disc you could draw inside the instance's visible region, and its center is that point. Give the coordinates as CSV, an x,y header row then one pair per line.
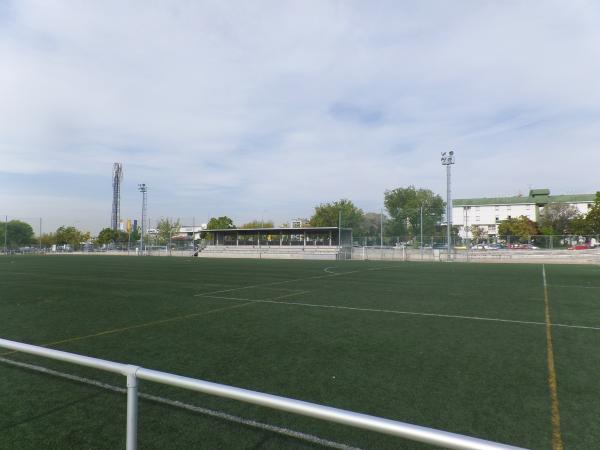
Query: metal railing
x,y
353,419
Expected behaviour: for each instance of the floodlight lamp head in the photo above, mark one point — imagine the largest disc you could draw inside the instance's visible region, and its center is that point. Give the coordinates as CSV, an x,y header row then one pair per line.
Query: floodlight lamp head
x,y
447,158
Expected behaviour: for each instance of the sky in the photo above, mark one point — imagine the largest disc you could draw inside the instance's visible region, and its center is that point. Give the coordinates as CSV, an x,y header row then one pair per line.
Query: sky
x,y
265,109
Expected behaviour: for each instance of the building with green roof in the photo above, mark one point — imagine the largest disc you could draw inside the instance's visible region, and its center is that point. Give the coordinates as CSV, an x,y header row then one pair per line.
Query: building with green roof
x,y
488,212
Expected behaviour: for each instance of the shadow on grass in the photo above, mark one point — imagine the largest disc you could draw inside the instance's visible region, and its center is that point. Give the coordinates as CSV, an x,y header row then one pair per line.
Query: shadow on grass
x,y
49,412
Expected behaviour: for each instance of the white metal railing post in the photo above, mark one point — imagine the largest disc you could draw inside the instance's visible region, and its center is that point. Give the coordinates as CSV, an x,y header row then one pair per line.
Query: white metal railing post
x,y
132,407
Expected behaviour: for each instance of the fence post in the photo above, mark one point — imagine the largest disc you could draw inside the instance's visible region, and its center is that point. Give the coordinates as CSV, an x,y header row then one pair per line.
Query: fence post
x,y
132,407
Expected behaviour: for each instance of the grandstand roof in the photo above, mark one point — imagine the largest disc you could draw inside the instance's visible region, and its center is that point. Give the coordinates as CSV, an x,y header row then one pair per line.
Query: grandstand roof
x,y
277,229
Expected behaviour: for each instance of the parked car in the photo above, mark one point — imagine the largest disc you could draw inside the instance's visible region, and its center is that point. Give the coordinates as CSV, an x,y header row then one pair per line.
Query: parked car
x,y
585,246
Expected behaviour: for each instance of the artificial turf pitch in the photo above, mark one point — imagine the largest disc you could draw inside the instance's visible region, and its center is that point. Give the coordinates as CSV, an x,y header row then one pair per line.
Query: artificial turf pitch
x,y
261,325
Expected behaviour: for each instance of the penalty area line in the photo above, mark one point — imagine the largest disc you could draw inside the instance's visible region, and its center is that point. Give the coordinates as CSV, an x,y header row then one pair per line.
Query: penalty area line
x,y
275,283
177,404
394,311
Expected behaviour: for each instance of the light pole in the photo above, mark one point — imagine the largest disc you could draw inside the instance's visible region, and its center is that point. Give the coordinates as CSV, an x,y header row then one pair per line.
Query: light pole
x,y
467,210
448,160
144,190
339,234
5,234
381,230
421,229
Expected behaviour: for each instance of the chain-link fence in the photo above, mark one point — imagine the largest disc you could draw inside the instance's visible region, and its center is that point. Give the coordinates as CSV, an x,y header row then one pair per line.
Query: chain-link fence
x,y
489,243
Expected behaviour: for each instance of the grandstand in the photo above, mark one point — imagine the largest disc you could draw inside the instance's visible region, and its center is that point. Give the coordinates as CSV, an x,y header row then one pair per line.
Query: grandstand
x,y
278,243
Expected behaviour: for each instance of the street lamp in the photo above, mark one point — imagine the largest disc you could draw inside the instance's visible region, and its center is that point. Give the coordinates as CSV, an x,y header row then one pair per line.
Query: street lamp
x,y
144,190
448,160
466,210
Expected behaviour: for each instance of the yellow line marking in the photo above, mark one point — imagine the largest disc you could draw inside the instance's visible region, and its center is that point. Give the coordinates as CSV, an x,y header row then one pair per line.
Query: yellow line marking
x,y
133,327
556,437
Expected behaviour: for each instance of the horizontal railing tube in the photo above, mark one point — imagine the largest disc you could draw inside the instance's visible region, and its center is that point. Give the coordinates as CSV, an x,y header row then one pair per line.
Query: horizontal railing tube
x,y
73,358
364,421
373,423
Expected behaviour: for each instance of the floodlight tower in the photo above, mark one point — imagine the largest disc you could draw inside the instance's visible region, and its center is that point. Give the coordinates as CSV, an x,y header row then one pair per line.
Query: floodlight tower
x,y
448,160
144,190
116,205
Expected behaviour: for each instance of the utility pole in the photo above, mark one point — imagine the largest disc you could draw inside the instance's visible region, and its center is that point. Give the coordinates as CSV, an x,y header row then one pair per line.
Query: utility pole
x,y
381,230
5,233
144,190
448,160
421,229
340,233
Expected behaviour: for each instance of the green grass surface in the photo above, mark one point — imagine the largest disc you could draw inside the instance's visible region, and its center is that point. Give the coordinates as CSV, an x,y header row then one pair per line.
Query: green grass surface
x,y
483,378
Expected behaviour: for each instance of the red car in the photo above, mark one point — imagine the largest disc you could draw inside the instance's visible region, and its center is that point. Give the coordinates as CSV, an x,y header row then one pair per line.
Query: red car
x,y
580,247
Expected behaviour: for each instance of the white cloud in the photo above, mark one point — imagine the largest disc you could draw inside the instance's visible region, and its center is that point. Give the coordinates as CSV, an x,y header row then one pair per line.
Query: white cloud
x,y
237,108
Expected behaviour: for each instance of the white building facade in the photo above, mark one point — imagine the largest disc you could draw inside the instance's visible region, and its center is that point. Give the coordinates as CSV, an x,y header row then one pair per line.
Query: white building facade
x,y
487,213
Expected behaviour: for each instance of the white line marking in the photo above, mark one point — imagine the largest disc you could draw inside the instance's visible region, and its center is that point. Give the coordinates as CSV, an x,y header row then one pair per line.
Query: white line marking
x,y
573,286
258,300
329,275
209,412
326,270
410,313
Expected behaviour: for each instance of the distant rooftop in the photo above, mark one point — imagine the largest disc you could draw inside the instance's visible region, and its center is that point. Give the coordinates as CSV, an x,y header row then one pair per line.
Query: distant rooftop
x,y
535,197
290,230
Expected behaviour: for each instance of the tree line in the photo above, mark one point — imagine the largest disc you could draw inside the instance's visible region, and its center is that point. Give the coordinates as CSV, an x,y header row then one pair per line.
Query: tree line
x,y
404,208
17,234
402,217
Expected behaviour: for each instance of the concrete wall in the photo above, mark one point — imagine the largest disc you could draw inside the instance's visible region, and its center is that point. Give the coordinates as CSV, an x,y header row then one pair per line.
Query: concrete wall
x,y
514,256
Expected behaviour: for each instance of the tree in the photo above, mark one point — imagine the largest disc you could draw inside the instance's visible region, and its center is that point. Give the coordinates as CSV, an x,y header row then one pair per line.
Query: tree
x,y
404,208
259,224
371,225
219,223
18,233
477,233
134,234
521,227
71,236
593,216
109,236
106,236
166,228
580,226
48,239
556,217
327,215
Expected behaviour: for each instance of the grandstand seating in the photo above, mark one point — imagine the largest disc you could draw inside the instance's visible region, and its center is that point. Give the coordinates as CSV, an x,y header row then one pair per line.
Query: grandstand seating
x,y
269,252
